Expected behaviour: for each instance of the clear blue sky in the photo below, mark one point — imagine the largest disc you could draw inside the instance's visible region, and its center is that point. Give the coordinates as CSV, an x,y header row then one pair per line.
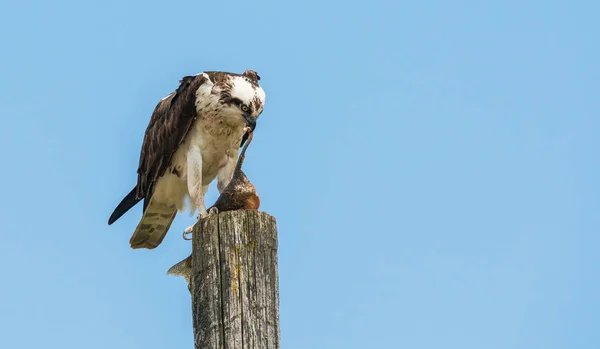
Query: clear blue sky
x,y
433,167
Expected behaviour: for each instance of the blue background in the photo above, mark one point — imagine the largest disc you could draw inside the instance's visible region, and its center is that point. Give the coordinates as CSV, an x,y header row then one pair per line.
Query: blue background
x,y
433,168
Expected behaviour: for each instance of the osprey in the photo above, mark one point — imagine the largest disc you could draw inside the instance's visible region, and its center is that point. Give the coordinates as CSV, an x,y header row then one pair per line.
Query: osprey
x,y
193,136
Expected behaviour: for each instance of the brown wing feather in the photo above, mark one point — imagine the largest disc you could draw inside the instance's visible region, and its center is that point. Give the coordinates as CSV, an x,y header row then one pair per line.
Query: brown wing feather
x,y
171,121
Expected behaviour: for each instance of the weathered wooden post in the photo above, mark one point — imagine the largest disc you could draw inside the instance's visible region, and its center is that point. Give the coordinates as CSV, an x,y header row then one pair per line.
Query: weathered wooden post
x,y
234,281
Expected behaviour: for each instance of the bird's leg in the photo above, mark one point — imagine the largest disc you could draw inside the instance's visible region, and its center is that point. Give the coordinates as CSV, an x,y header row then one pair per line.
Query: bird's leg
x,y
189,230
194,182
201,214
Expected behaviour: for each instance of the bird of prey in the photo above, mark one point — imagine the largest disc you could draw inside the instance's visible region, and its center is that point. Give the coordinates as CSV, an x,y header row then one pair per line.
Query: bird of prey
x,y
193,137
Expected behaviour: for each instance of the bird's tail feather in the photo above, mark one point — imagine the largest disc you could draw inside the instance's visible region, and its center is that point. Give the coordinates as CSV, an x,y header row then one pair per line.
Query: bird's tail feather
x,y
127,203
153,226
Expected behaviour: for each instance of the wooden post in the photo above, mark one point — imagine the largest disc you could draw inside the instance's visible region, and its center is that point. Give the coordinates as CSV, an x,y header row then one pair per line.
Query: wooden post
x,y
234,281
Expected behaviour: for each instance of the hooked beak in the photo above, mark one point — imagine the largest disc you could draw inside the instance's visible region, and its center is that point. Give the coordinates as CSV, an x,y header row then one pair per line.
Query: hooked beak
x,y
250,122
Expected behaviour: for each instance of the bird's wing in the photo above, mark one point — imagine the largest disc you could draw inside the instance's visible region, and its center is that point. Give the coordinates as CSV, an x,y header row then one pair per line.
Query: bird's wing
x,y
170,123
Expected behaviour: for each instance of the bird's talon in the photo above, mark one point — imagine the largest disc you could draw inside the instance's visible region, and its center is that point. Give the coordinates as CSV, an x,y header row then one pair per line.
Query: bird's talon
x,y
187,231
202,215
213,211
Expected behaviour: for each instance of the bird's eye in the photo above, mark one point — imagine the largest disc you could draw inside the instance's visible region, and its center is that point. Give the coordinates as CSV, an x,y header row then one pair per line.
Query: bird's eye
x,y
245,108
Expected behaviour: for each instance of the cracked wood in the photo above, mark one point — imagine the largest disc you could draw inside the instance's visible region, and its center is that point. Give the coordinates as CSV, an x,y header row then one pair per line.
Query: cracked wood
x,y
235,282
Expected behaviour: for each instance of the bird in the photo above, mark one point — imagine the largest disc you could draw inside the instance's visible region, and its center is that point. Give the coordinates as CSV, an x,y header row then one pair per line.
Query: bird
x,y
240,194
193,136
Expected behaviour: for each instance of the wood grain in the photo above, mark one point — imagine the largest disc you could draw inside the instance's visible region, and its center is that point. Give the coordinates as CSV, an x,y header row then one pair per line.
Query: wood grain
x,y
235,293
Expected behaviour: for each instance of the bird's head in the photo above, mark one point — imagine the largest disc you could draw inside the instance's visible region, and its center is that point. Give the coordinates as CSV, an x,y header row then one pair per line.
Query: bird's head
x,y
243,99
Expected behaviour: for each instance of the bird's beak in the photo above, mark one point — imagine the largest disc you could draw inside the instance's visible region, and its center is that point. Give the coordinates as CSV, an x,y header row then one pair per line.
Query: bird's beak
x,y
250,122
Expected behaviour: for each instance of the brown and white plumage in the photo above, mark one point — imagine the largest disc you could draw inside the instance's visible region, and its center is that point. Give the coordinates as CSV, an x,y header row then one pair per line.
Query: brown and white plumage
x,y
193,137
